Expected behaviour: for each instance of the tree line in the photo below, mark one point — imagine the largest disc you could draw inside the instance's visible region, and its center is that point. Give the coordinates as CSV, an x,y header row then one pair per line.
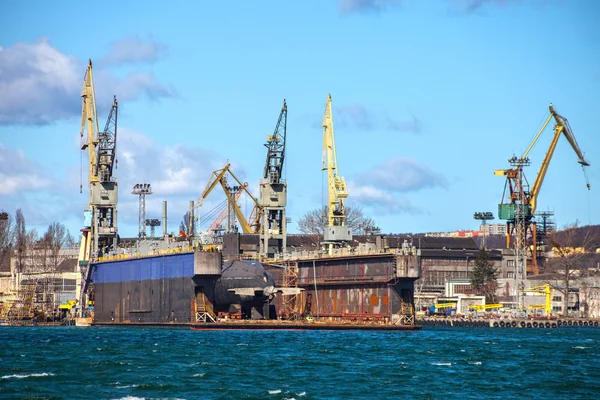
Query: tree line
x,y
38,252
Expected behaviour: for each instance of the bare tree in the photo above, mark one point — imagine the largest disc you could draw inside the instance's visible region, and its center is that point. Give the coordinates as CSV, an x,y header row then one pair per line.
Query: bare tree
x,y
570,257
6,239
314,221
20,239
69,240
184,226
54,240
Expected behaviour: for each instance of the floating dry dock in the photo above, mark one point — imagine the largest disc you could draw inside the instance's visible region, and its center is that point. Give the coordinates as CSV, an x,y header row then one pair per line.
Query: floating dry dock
x,y
370,291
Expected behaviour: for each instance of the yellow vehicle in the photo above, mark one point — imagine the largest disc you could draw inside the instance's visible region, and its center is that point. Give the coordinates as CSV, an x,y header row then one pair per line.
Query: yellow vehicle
x,y
444,305
486,307
68,305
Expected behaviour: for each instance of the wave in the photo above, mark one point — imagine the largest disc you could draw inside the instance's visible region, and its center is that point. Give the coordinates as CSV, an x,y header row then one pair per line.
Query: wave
x,y
125,387
275,391
23,376
445,364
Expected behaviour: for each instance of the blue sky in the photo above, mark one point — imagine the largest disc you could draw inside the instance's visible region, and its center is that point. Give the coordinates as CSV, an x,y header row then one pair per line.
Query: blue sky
x,y
429,98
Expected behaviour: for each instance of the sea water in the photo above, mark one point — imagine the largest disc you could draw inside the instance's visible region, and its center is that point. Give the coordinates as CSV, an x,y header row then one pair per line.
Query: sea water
x,y
434,363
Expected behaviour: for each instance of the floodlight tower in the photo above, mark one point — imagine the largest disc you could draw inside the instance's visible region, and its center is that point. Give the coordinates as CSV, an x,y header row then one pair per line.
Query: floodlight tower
x,y
141,190
484,217
152,223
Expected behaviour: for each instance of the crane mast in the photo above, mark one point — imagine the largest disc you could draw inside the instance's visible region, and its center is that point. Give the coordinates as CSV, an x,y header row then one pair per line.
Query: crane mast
x,y
273,191
335,233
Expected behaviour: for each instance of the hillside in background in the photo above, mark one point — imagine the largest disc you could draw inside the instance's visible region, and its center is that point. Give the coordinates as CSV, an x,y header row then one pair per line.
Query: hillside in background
x,y
583,236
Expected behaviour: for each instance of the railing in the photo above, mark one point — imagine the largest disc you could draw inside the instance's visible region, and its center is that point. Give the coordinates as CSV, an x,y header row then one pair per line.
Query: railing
x,y
153,253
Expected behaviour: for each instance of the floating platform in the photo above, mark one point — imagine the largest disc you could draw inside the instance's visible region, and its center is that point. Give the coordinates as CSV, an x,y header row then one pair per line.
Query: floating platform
x,y
302,326
269,325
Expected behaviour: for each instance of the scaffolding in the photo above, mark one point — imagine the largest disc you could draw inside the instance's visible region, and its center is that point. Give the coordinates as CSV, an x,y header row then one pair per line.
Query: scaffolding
x,y
290,280
23,307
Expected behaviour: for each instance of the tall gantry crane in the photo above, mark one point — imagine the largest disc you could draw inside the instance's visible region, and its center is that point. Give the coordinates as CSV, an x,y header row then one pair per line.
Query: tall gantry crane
x,y
273,191
519,204
100,231
336,233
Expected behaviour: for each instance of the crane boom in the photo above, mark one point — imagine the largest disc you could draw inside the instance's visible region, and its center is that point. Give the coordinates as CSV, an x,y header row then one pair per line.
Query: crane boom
x,y
89,121
276,149
562,126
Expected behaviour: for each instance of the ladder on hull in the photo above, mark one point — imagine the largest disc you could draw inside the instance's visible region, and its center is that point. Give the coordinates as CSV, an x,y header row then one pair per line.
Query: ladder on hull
x,y
203,312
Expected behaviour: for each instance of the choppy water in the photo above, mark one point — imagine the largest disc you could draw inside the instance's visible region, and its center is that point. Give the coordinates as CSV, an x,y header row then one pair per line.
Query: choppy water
x,y
435,363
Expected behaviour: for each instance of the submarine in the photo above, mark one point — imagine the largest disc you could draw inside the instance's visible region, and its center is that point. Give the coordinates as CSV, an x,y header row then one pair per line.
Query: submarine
x,y
246,286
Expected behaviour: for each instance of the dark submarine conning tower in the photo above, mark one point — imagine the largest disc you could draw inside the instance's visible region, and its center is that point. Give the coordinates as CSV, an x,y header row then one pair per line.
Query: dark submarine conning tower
x,y
239,286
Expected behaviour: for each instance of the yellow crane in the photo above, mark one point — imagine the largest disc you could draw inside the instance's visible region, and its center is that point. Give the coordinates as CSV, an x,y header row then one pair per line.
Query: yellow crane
x,y
547,292
335,233
100,231
220,177
520,196
99,235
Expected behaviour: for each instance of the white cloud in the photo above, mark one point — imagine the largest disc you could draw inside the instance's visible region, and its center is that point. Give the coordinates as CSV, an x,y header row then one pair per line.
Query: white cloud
x,y
402,175
38,83
132,49
18,174
41,85
177,174
379,200
383,189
